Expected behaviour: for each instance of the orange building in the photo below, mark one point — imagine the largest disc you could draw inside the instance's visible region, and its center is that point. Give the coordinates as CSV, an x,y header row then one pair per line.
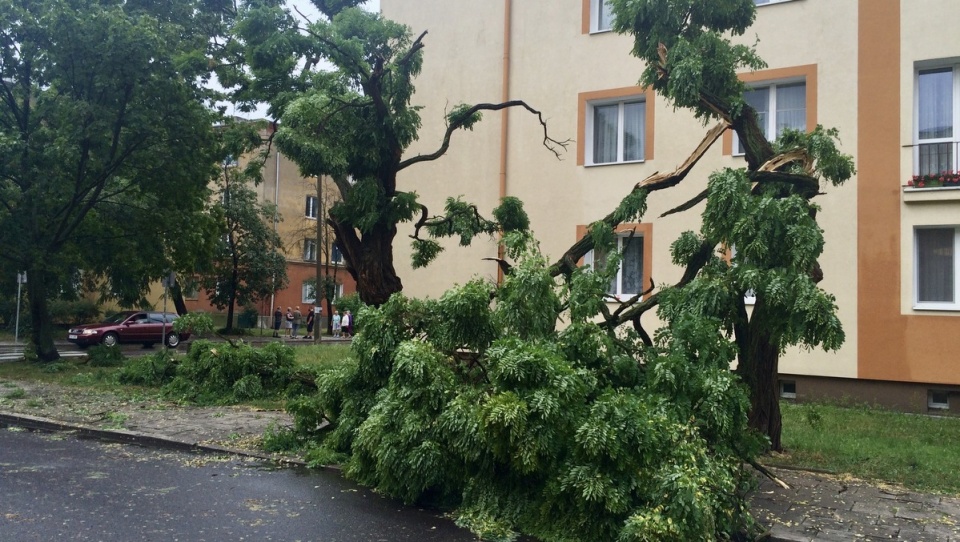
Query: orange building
x,y
875,69
307,241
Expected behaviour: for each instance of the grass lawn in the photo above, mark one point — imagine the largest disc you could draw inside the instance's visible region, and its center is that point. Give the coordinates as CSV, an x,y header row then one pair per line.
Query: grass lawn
x,y
918,452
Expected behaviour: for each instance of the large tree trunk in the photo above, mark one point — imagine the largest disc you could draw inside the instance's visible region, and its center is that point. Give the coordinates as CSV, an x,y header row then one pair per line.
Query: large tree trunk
x,y
41,328
370,261
764,393
758,365
177,293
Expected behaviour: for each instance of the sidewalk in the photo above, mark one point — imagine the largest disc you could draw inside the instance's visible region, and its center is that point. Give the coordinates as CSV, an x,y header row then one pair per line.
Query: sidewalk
x,y
818,507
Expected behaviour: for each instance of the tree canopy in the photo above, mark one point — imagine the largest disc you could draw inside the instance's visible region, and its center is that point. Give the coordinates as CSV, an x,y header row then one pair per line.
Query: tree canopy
x,y
105,145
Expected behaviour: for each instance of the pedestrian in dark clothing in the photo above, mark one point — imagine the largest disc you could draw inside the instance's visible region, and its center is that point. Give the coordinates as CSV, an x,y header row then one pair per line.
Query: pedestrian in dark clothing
x,y
310,318
277,320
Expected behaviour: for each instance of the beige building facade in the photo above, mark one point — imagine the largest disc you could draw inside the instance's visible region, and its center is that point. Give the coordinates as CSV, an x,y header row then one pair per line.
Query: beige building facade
x,y
873,69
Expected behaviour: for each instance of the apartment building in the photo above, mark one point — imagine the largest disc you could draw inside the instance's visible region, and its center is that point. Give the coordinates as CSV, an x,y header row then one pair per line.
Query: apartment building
x,y
874,69
308,243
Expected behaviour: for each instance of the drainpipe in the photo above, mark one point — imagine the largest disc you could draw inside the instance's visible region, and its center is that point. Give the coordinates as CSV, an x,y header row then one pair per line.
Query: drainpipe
x,y
276,203
504,115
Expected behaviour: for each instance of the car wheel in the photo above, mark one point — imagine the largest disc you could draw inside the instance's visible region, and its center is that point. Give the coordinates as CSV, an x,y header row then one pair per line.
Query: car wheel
x,y
173,340
110,339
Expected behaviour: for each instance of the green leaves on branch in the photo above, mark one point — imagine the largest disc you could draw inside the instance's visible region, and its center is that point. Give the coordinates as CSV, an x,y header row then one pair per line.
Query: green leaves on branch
x,y
572,433
464,220
694,35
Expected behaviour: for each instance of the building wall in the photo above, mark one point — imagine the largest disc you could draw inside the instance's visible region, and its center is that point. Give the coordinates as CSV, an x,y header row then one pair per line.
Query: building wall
x,y
859,59
283,185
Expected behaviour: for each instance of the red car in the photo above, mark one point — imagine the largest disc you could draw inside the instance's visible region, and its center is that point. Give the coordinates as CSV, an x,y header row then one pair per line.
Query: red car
x,y
143,327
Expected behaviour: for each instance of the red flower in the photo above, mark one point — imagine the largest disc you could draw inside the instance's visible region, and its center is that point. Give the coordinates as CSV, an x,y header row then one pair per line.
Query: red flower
x,y
920,184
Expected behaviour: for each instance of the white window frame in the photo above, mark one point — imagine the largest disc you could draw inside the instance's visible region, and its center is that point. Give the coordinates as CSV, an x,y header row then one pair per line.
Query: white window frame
x,y
937,305
305,293
596,8
771,125
310,207
953,141
336,255
761,3
619,294
589,129
309,250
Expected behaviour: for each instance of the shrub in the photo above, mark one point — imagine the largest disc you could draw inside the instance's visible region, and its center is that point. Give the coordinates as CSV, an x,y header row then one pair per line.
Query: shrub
x,y
224,373
152,370
575,434
105,356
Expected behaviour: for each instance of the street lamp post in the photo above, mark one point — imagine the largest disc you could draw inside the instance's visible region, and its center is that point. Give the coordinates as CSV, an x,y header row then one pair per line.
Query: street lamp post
x,y
21,280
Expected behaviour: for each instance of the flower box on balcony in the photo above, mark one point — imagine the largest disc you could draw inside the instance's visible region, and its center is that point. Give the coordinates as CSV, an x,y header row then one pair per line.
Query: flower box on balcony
x,y
935,180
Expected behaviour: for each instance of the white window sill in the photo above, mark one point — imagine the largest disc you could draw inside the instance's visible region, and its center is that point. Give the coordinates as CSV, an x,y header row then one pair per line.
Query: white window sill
x,y
912,194
615,163
944,307
773,2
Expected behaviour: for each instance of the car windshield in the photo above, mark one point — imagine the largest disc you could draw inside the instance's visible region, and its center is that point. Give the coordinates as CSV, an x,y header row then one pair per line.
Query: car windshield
x,y
117,318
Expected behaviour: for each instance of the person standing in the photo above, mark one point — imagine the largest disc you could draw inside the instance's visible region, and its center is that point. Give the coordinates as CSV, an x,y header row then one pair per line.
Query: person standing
x,y
289,322
310,317
335,321
346,324
297,320
277,320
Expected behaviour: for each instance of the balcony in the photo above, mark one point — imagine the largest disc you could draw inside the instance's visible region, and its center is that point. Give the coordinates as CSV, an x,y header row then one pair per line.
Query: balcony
x,y
932,187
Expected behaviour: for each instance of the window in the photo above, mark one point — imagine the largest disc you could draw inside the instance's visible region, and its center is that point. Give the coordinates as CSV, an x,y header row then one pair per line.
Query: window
x,y
629,279
308,293
309,250
617,131
938,400
311,207
935,268
597,16
788,389
787,100
750,296
336,256
937,109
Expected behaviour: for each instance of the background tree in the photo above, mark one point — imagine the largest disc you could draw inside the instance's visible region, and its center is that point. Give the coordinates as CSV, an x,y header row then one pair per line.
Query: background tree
x,y
103,143
248,263
352,122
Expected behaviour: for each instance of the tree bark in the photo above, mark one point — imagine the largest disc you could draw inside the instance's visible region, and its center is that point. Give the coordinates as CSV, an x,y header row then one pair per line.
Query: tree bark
x,y
41,328
177,293
370,261
758,363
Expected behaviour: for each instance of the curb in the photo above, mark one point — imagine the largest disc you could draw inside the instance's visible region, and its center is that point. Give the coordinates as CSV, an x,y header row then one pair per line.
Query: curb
x,y
134,437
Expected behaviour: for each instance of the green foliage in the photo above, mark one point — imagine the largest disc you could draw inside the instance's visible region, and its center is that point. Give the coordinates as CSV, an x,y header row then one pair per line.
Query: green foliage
x,y
821,146
349,302
104,137
462,117
567,434
197,323
511,216
105,356
699,55
153,370
224,373
64,311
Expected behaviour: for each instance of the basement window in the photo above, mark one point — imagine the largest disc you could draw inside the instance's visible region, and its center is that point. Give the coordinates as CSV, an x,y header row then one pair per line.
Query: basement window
x,y
938,400
788,389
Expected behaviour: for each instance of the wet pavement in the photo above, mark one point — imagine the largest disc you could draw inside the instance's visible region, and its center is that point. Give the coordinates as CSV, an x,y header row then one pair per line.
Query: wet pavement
x,y
817,507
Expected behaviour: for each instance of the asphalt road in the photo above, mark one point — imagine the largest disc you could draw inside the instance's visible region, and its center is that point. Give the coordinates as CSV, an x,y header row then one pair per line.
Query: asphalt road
x,y
57,487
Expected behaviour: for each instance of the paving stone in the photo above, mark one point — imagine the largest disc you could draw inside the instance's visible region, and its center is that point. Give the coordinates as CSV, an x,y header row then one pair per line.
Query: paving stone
x,y
921,536
876,507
